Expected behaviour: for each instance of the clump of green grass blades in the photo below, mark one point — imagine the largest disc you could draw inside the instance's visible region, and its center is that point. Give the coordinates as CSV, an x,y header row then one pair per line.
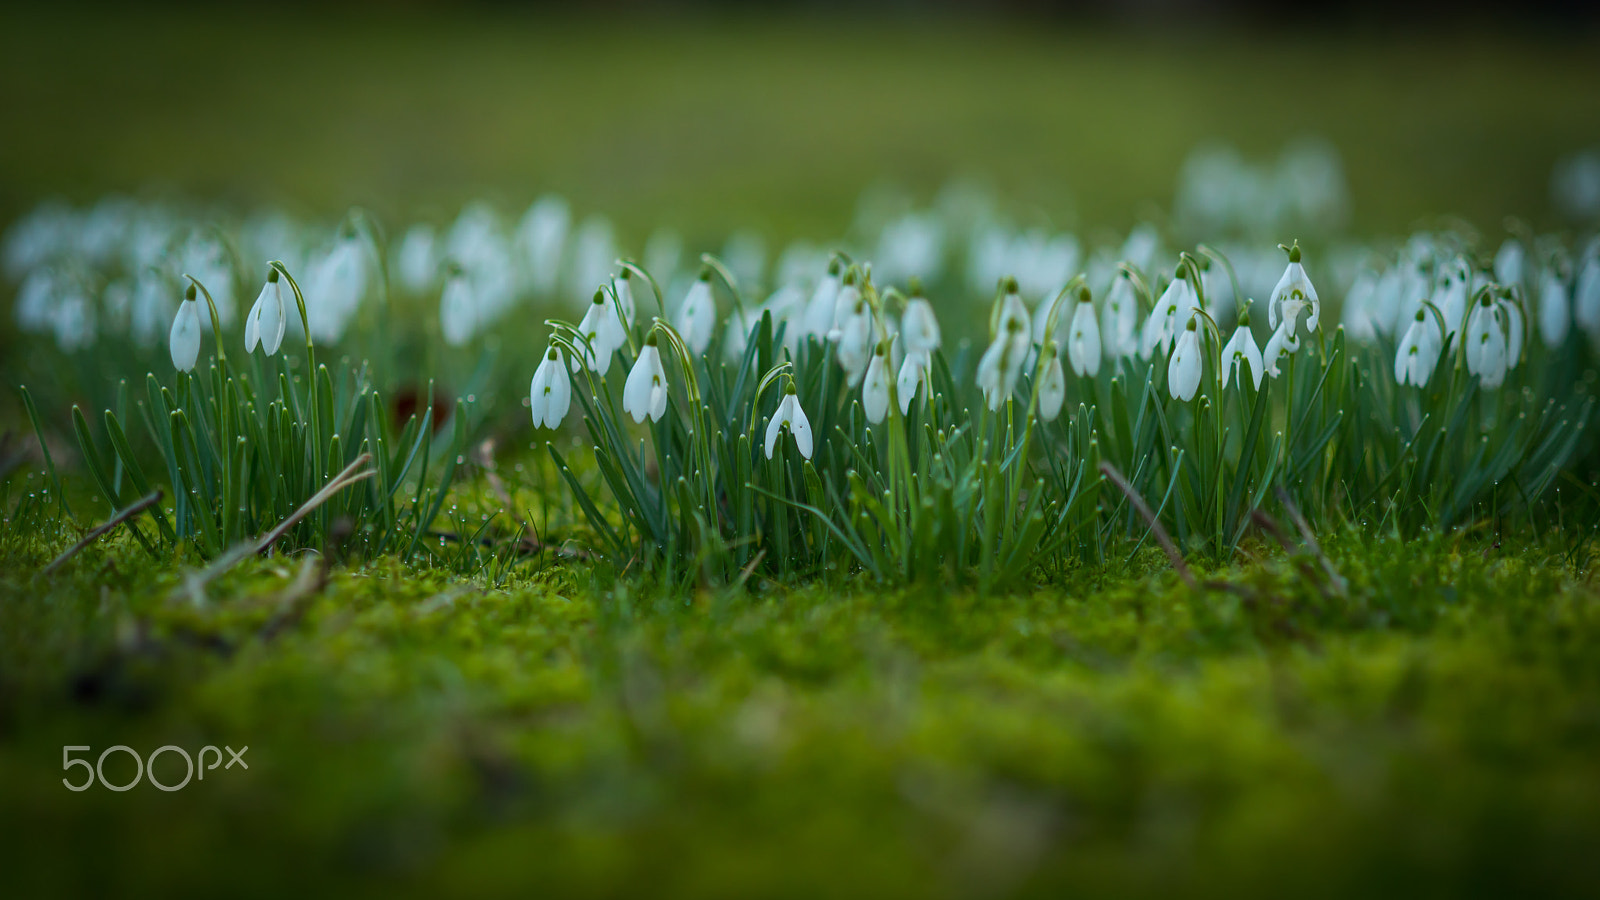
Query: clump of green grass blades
x,y
293,457
951,491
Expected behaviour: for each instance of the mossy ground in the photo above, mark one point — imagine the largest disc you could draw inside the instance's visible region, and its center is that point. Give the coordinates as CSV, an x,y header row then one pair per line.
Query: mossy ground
x,y
414,732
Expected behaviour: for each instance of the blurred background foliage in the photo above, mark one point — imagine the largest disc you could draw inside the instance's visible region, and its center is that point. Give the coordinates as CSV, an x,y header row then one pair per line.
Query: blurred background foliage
x,y
718,118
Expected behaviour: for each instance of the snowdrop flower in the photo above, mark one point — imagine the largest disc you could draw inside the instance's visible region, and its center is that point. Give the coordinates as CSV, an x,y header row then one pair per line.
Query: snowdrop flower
x,y
875,388
1509,262
542,236
1360,318
1281,345
1052,386
913,375
1241,351
267,319
604,332
645,392
1002,363
853,332
697,316
1294,287
918,326
1554,316
1083,338
622,286
184,342
550,394
818,318
1487,355
417,261
846,303
1587,297
1185,366
1176,303
1419,351
1455,279
1120,339
458,309
337,284
789,416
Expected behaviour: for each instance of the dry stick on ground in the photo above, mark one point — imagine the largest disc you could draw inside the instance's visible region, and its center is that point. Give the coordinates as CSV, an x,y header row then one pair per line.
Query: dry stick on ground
x,y
1304,528
1149,516
194,584
138,506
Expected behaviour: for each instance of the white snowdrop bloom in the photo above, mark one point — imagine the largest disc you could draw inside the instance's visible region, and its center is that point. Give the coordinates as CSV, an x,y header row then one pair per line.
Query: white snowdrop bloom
x,y
458,309
1052,387
541,238
875,387
1002,363
855,340
913,375
550,394
1450,297
1186,365
1419,350
918,326
1554,316
1293,287
1509,262
1486,344
1120,337
594,250
697,315
417,260
603,330
818,318
789,417
1280,346
1239,352
622,286
1083,339
74,321
334,292
268,318
1587,297
1359,316
184,342
1172,311
846,304
1013,313
645,392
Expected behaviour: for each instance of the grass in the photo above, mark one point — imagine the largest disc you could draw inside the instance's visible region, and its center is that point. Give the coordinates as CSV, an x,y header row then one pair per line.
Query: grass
x,y
563,734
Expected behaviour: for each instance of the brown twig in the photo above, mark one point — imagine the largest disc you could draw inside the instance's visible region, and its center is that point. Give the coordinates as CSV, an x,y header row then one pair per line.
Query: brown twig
x,y
1149,516
138,506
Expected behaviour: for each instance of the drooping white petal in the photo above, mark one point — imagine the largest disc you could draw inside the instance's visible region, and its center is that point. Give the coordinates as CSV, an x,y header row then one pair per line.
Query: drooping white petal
x,y
697,316
919,327
1280,346
1184,368
644,393
1554,315
550,393
789,415
1052,390
184,341
1241,351
913,375
1083,341
252,326
875,389
458,310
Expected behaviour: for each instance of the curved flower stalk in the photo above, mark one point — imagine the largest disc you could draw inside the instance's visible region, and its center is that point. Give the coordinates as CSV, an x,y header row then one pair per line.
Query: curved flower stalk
x,y
697,315
645,392
1418,353
184,341
268,318
1186,365
1241,351
550,394
1494,339
791,418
